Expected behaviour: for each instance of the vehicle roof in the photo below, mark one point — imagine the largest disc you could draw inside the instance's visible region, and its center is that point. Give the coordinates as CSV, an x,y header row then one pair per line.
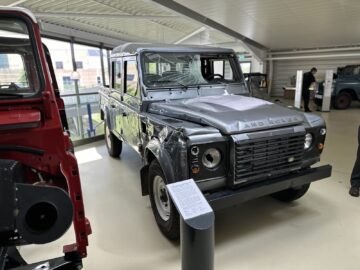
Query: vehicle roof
x,y
134,48
20,9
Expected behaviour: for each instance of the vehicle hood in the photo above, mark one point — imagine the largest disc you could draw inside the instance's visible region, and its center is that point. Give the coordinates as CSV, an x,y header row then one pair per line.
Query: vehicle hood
x,y
230,114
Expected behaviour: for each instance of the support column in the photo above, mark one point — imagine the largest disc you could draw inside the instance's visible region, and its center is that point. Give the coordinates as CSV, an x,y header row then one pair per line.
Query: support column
x,y
76,83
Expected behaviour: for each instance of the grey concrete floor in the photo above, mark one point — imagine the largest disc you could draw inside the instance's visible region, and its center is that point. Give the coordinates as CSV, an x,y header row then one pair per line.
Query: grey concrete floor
x,y
319,231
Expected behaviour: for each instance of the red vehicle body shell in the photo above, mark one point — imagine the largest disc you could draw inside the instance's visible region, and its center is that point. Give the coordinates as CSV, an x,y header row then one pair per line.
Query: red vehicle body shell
x,y
31,132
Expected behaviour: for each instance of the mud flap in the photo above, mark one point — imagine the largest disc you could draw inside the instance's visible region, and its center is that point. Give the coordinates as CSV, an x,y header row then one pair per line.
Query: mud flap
x,y
144,173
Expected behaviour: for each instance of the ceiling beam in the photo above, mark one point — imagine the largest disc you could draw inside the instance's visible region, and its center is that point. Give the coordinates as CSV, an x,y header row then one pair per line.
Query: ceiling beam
x,y
57,31
194,33
180,9
16,3
103,16
315,56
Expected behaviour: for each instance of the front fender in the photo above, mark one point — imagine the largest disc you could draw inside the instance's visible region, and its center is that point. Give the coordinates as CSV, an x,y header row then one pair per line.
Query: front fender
x,y
162,156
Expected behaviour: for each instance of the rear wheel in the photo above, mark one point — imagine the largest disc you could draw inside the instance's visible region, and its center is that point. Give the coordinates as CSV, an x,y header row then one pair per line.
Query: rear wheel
x,y
291,194
342,101
113,144
165,213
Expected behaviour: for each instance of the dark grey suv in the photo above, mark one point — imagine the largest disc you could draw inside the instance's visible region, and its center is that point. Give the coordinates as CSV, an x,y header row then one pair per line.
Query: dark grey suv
x,y
186,110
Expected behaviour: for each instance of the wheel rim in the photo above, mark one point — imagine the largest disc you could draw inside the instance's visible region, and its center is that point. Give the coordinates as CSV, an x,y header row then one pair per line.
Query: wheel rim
x,y
343,102
107,136
161,198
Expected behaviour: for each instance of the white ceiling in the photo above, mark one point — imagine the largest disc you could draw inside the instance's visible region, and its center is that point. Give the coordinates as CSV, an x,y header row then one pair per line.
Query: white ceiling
x,y
275,24
116,21
286,24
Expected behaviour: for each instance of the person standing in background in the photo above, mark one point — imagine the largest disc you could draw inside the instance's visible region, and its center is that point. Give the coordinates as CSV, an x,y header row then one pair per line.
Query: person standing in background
x,y
355,175
308,80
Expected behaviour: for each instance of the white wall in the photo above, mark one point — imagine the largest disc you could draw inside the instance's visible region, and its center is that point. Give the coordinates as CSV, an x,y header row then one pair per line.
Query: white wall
x,y
284,69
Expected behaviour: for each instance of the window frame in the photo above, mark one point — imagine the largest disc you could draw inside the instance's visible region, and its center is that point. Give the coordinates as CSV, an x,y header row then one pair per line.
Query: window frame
x,y
36,48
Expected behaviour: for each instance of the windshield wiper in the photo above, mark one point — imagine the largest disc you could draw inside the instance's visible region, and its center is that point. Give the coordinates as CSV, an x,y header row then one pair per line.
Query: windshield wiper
x,y
183,85
6,94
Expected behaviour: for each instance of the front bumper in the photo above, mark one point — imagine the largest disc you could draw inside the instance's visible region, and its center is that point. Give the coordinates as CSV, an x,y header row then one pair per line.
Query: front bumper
x,y
230,197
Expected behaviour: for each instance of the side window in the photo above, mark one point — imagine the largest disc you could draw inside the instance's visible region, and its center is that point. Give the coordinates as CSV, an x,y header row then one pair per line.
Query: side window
x,y
218,67
223,68
13,72
151,68
245,67
132,78
116,74
357,70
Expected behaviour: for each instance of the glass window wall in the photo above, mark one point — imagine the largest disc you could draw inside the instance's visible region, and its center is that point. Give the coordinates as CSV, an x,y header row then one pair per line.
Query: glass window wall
x,y
79,85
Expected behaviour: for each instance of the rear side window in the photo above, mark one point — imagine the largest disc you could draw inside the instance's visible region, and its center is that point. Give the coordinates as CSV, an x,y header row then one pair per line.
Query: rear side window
x,y
18,67
116,80
132,78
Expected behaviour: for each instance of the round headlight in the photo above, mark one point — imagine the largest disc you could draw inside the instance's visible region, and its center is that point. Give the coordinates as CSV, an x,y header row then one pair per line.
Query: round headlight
x,y
308,140
211,158
323,131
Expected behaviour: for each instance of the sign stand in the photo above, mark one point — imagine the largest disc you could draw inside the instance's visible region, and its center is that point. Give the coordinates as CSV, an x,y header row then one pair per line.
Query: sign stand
x,y
326,102
298,89
196,225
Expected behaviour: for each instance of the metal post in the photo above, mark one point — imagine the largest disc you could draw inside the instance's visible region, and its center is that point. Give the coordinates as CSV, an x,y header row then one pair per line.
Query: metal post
x,y
197,243
109,65
91,127
298,90
102,64
196,225
78,101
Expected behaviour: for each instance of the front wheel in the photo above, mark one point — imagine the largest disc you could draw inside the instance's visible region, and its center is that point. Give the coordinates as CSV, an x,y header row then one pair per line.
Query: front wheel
x,y
165,213
291,194
113,144
342,101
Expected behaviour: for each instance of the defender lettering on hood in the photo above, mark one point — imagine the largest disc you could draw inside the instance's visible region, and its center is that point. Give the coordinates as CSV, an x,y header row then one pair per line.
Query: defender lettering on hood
x,y
230,114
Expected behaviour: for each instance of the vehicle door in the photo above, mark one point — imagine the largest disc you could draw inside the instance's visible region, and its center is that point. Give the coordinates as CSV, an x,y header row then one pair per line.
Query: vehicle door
x,y
115,100
132,101
356,86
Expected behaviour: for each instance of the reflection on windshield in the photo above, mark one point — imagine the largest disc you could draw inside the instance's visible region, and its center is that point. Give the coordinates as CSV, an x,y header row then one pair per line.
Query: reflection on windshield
x,y
18,72
186,69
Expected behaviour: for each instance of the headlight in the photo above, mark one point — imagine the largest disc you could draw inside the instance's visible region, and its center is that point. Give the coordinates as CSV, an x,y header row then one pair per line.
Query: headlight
x,y
211,158
323,131
308,141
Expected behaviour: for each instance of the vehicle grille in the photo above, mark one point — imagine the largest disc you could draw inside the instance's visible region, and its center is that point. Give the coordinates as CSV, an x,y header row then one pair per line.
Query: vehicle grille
x,y
264,158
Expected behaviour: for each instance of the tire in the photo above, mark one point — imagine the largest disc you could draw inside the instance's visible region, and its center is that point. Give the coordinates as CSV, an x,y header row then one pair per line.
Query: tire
x,y
165,213
342,101
291,194
113,144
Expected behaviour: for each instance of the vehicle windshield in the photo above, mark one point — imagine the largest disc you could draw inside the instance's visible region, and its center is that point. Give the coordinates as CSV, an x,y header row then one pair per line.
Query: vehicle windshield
x,y
187,69
18,70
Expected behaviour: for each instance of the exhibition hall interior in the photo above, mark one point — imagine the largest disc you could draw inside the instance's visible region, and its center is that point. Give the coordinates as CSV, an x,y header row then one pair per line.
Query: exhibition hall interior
x,y
179,134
